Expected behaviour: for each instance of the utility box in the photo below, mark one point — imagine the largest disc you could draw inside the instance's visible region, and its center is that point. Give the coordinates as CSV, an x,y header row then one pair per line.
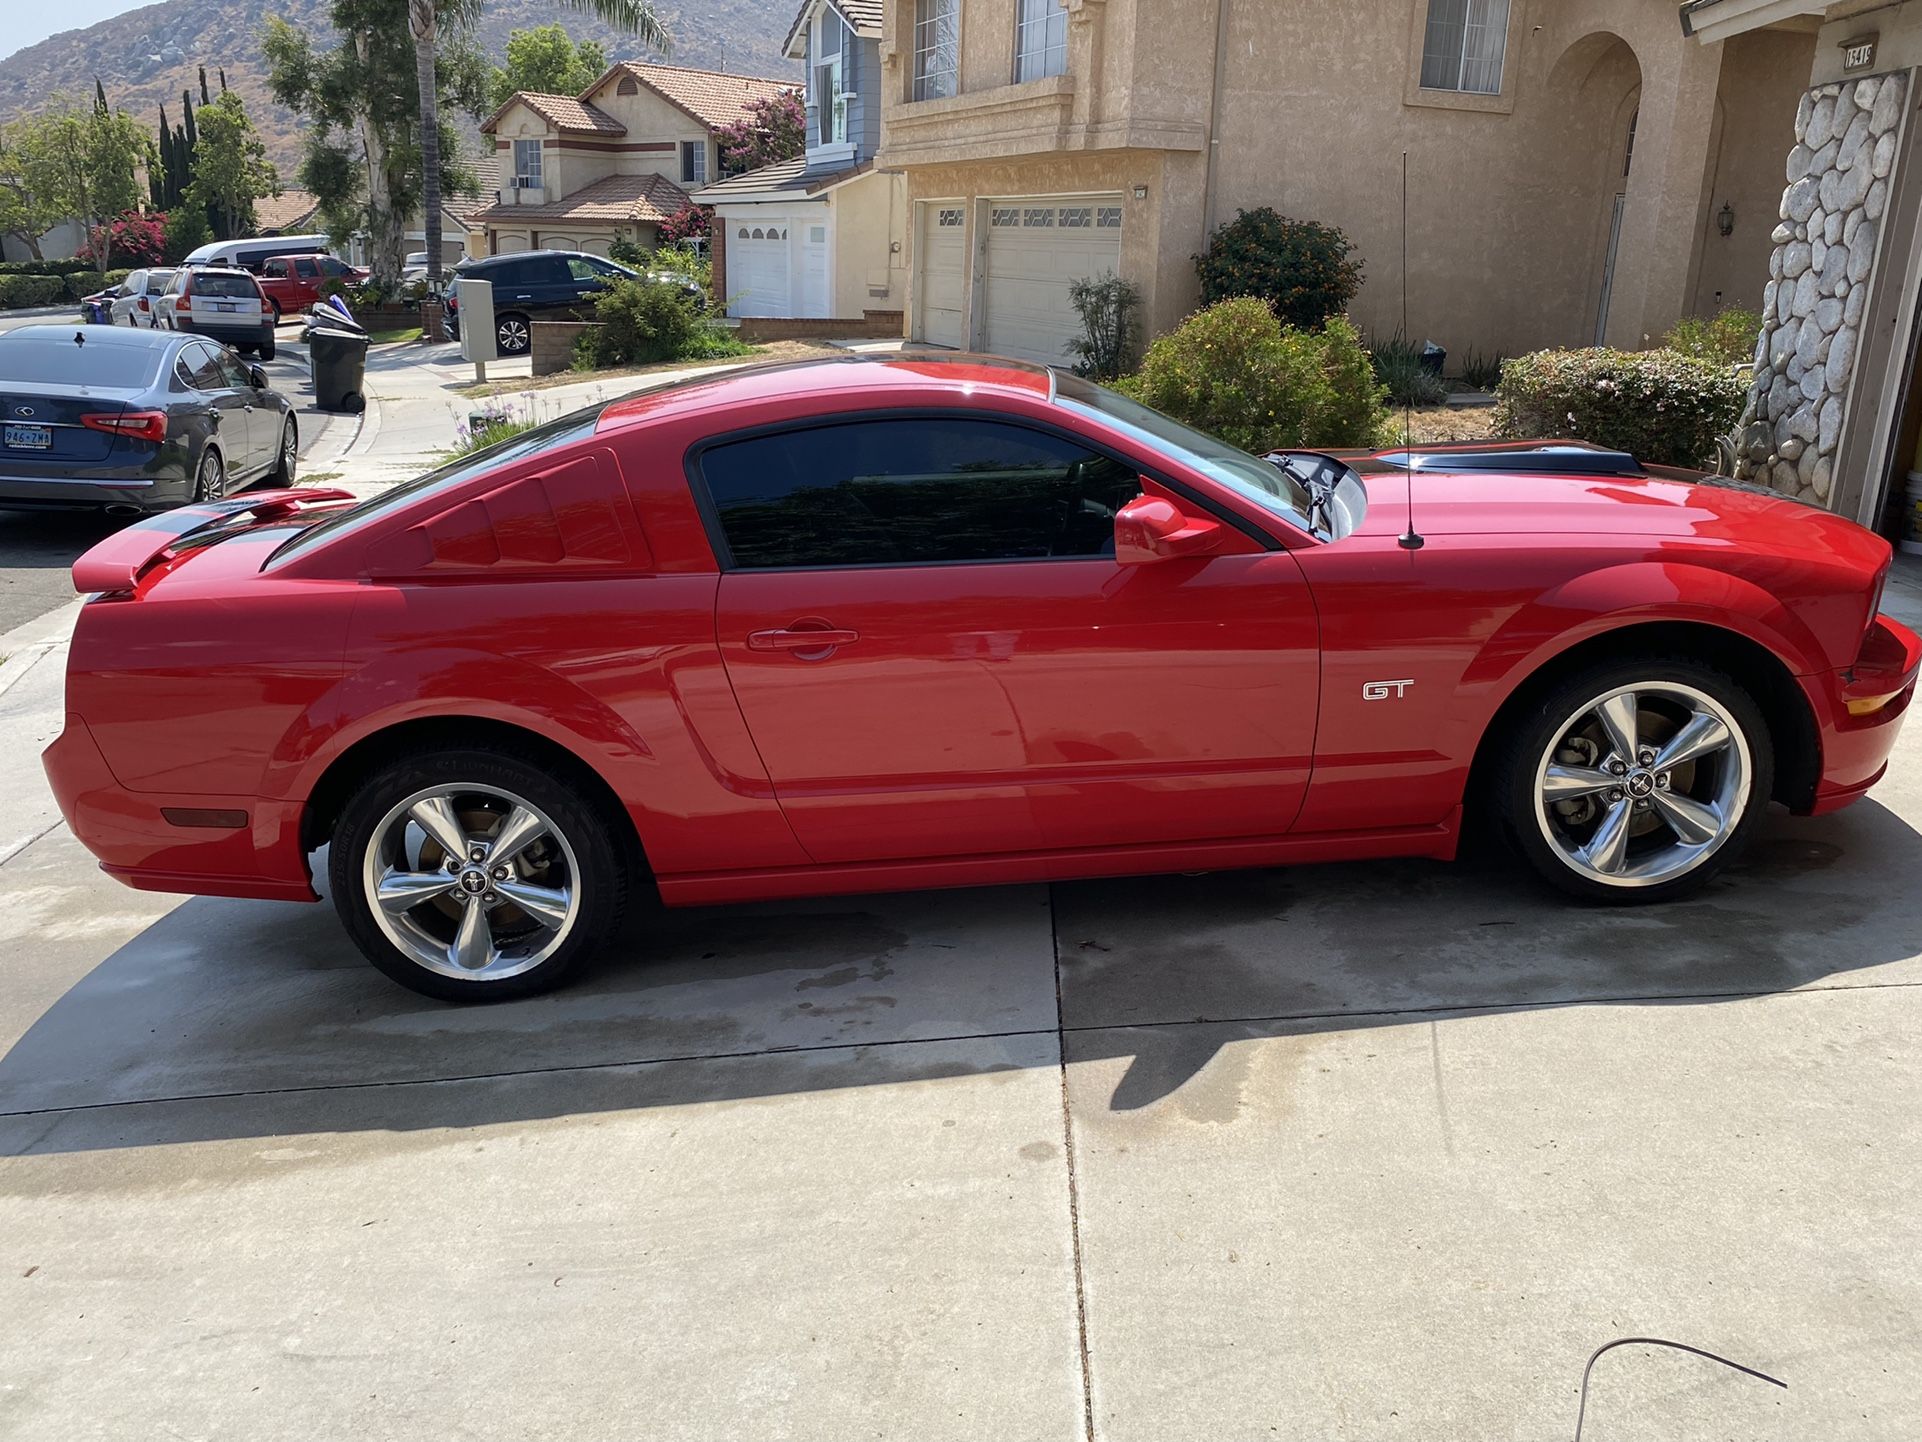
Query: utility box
x,y
474,305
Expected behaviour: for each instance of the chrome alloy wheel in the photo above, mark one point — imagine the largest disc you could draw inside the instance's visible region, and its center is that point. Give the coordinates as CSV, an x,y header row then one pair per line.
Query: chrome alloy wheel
x,y
472,882
512,336
1643,784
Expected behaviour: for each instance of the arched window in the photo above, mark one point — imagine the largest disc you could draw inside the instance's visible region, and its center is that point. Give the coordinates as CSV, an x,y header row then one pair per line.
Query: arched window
x,y
743,234
628,86
759,234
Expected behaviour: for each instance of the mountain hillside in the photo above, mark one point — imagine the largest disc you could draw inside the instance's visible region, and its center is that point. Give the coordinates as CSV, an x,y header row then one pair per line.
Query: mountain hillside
x,y
146,57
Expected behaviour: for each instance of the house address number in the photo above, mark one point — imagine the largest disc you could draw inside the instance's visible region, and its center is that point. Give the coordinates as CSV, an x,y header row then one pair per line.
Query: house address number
x,y
1859,53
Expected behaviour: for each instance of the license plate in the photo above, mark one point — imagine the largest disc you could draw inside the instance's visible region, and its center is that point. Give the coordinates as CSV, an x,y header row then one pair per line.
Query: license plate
x,y
225,305
29,438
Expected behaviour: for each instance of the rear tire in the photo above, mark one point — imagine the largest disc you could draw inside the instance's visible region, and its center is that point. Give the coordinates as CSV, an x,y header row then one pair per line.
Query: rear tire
x,y
289,459
265,351
1634,782
536,886
210,481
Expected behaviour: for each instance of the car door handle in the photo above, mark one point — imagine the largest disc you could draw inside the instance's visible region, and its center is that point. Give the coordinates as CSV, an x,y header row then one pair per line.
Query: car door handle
x,y
805,639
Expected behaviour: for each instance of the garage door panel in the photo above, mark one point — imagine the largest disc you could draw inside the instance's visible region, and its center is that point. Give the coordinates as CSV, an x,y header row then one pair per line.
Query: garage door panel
x,y
757,269
1037,248
941,253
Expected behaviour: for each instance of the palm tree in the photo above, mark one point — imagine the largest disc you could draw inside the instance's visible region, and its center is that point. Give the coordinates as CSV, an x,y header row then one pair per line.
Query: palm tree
x,y
634,17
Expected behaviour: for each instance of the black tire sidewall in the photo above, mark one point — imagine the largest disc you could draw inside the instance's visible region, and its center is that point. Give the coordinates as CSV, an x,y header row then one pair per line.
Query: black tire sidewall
x,y
601,881
1537,727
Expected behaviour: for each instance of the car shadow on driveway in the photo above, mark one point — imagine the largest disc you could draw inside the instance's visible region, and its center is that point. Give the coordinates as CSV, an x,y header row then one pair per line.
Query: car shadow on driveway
x,y
269,1009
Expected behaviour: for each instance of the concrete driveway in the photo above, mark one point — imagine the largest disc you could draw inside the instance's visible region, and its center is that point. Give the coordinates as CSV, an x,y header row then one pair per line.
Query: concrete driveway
x,y
1381,1151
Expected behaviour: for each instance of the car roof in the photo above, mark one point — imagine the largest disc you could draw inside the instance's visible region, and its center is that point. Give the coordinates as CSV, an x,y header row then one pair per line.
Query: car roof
x,y
116,336
515,255
955,371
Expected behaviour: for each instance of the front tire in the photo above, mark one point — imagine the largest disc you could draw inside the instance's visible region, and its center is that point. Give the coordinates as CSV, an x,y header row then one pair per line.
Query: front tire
x,y
476,875
1635,782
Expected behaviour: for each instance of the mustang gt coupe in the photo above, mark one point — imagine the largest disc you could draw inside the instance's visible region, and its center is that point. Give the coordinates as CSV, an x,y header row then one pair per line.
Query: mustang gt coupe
x,y
873,624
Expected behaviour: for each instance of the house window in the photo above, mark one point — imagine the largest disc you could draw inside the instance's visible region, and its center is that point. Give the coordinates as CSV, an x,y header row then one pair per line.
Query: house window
x,y
1464,46
1077,217
694,162
1037,218
830,97
1108,217
527,165
1006,215
1040,39
949,218
937,47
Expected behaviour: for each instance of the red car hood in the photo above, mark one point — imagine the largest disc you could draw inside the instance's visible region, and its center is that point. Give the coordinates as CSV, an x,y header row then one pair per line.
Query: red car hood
x,y
1448,504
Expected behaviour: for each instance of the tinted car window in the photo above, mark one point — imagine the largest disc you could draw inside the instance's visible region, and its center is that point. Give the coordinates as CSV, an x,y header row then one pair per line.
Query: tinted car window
x,y
914,492
56,360
230,287
159,280
585,267
133,284
203,368
514,272
233,372
330,266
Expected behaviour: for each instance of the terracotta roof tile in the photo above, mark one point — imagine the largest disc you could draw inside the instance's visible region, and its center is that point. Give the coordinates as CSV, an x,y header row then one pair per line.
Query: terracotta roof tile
x,y
565,113
290,210
710,96
609,200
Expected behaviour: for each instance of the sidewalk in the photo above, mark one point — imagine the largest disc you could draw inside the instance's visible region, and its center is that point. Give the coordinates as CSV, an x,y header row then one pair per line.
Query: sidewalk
x,y
415,409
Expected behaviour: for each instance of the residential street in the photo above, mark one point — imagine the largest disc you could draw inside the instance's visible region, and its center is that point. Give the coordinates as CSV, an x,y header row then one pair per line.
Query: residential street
x,y
1382,1150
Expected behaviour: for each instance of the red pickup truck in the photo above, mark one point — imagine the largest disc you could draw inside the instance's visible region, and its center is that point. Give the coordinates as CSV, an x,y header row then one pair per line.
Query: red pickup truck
x,y
293,282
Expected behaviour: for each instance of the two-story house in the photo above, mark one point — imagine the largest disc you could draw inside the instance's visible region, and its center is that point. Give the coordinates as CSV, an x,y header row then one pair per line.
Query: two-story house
x,y
617,159
823,234
1577,169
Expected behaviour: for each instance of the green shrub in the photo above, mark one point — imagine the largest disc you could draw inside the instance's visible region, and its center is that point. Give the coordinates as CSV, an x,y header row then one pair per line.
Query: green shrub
x,y
20,292
1483,372
627,251
1397,363
1107,305
1726,339
45,267
1660,406
679,260
1300,267
1235,371
641,324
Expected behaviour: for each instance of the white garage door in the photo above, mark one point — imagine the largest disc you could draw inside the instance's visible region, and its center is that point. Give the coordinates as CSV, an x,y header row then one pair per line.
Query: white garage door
x,y
940,251
1037,248
757,268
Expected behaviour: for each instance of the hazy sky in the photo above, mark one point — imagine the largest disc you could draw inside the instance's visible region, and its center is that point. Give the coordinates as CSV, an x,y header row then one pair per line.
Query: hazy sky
x,y
22,22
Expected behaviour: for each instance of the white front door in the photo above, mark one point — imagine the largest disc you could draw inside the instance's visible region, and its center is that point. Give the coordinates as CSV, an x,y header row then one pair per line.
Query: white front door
x,y
940,254
757,267
1037,248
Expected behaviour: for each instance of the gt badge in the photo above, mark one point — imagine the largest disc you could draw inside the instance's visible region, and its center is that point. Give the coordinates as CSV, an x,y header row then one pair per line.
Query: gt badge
x,y
1383,690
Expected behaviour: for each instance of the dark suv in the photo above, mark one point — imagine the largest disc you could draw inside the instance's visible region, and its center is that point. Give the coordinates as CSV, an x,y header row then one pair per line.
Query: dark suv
x,y
532,285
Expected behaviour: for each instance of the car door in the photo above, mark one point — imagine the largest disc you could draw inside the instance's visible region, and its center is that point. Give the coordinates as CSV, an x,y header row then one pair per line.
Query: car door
x,y
232,409
937,653
260,419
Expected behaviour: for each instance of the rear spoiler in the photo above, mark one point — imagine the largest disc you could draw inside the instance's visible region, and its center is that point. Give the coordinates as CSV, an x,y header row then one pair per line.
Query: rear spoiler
x,y
117,562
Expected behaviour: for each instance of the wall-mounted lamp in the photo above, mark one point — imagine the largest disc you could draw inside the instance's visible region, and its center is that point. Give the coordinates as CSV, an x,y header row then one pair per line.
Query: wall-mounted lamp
x,y
1141,192
1725,222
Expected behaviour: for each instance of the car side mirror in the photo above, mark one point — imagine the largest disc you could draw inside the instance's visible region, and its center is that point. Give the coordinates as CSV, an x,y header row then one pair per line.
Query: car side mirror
x,y
1149,529
258,377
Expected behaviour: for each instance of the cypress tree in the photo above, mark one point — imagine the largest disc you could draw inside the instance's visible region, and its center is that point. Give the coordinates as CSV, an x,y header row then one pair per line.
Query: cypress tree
x,y
205,98
99,97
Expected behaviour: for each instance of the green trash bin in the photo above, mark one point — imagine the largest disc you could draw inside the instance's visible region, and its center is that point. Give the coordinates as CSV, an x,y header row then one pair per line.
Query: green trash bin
x,y
338,358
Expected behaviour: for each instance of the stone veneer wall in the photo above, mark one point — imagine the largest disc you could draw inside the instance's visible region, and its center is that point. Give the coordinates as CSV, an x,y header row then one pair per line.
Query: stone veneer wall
x,y
1825,250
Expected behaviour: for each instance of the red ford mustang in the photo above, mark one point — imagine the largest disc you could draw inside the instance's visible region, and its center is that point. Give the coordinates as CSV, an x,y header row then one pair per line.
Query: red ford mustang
x,y
872,624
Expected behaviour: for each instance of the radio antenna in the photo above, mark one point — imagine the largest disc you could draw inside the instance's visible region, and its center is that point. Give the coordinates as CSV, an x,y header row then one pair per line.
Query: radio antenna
x,y
1410,539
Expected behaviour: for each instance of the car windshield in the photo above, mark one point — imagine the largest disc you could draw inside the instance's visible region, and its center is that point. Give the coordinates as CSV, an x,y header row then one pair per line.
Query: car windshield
x,y
231,287
56,360
569,427
1268,486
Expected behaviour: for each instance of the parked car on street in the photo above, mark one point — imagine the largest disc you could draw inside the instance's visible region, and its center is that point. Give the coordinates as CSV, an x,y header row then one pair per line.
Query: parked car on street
x,y
532,285
131,420
133,299
222,302
291,283
875,624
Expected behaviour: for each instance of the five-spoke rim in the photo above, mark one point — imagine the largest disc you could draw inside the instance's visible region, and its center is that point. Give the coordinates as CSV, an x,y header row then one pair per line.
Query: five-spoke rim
x,y
472,882
1642,784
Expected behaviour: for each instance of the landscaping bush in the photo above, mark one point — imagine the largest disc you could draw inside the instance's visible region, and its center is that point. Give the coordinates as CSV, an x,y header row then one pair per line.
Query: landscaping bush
x,y
648,322
1726,339
1300,267
1107,306
1662,407
44,267
1235,371
1483,372
627,251
20,292
1398,366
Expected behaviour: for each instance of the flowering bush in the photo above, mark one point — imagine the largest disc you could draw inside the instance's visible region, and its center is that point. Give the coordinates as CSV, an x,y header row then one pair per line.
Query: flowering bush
x,y
1660,406
694,222
1300,267
1235,371
492,422
773,130
133,239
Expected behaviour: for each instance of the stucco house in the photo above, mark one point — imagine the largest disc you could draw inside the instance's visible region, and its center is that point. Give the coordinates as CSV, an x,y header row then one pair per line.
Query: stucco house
x,y
1571,163
617,159
824,234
